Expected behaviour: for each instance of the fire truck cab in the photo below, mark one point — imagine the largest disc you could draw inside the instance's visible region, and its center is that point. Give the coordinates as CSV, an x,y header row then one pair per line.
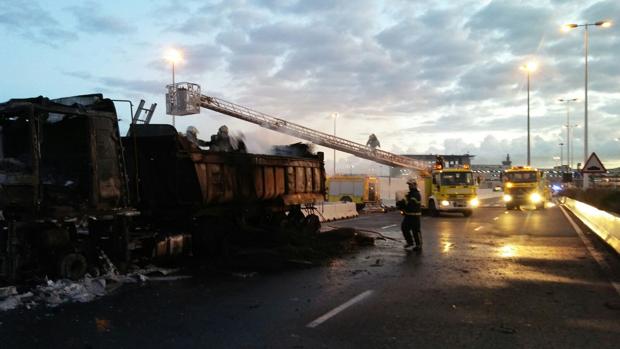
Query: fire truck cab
x,y
525,185
449,190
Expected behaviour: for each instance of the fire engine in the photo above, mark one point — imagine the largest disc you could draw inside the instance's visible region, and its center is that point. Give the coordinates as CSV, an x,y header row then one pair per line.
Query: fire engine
x,y
525,185
363,190
451,190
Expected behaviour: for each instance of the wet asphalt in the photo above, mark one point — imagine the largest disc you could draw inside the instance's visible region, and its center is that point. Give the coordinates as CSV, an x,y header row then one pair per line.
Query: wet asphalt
x,y
497,279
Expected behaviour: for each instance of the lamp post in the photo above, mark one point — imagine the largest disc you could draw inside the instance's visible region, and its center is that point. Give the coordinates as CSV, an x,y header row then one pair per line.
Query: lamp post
x,y
569,150
173,56
571,127
335,116
529,68
561,155
567,27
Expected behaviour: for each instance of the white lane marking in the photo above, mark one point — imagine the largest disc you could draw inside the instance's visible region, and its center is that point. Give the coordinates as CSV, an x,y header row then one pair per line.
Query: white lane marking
x,y
480,227
321,319
496,218
388,226
597,257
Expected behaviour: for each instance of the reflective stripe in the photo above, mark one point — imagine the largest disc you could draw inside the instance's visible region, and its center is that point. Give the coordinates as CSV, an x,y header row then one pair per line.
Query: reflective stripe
x,y
412,213
413,199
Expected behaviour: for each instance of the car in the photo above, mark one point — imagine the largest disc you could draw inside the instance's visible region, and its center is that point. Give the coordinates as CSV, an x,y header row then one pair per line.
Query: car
x,y
497,188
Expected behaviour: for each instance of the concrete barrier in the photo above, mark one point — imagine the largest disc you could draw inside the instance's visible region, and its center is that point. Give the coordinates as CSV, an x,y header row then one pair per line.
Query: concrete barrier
x,y
331,211
605,224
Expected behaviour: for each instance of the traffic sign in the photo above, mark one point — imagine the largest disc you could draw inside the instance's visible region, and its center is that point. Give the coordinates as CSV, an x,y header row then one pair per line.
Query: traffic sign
x,y
593,165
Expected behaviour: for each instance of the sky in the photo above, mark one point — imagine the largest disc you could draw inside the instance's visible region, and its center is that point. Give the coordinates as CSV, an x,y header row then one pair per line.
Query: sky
x,y
424,76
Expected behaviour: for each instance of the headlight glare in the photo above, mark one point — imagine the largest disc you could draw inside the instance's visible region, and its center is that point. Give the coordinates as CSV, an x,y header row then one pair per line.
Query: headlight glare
x,y
445,203
474,202
535,198
507,198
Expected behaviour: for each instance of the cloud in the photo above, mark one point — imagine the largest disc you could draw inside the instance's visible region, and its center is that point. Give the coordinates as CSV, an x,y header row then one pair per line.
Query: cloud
x,y
90,20
29,20
140,86
415,74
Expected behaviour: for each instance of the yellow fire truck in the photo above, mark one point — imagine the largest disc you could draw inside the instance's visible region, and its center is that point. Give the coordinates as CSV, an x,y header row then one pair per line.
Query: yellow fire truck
x,y
452,190
449,190
525,185
362,190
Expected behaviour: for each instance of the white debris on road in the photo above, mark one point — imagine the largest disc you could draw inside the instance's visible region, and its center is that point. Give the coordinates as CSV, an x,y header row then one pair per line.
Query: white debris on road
x,y
53,293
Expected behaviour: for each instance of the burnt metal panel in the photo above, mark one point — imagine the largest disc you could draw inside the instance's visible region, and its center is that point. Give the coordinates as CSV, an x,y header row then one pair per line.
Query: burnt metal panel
x,y
280,181
270,184
308,179
300,179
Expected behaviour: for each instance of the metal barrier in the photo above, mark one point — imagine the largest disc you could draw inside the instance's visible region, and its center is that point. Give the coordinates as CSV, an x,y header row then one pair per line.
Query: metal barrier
x,y
605,224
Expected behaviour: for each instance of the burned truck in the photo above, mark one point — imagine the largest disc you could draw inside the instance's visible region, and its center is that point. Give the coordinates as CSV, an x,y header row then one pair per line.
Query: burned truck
x,y
73,192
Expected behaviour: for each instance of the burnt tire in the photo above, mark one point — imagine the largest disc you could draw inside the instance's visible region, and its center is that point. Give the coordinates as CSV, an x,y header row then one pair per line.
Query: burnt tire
x,y
312,224
72,266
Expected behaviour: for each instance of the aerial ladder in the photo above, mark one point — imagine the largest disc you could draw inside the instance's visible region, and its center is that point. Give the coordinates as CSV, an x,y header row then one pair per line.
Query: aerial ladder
x,y
185,98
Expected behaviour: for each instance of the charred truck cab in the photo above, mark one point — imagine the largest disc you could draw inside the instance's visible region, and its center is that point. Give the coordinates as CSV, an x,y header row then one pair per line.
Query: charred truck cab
x,y
524,185
61,168
74,193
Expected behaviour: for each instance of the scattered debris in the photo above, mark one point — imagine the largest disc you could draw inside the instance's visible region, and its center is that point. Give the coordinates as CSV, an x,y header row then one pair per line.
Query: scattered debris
x,y
245,275
102,325
7,291
168,278
54,293
504,329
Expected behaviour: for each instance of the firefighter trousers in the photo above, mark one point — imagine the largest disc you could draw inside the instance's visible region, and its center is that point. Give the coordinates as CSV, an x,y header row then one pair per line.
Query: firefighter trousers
x,y
411,224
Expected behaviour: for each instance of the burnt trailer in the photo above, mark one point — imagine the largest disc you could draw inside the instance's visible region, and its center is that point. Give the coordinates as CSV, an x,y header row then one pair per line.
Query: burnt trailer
x,y
74,192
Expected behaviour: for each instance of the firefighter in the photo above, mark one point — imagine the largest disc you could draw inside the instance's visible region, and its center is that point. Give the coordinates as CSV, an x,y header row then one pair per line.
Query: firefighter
x,y
221,140
411,210
192,135
373,142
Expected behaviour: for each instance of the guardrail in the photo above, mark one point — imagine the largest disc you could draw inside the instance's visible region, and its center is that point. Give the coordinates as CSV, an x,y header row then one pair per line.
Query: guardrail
x,y
605,224
331,211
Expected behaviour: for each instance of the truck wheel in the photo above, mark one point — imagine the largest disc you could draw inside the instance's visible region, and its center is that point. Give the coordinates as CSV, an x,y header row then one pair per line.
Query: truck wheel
x,y
312,224
540,206
73,266
433,209
467,213
510,207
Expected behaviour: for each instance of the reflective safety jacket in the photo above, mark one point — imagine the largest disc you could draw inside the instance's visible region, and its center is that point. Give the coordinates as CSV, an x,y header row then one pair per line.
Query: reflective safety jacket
x,y
411,205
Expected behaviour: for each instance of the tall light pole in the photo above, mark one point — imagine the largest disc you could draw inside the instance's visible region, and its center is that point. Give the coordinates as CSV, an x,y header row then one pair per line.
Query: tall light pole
x,y
335,116
561,155
173,56
567,27
529,68
569,150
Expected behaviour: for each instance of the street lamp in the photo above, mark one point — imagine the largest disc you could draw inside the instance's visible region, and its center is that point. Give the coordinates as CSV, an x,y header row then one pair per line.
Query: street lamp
x,y
569,150
335,116
567,27
561,155
173,56
529,68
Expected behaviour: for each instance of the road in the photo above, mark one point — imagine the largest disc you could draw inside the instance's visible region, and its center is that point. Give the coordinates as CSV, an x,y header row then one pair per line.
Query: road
x,y
498,279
